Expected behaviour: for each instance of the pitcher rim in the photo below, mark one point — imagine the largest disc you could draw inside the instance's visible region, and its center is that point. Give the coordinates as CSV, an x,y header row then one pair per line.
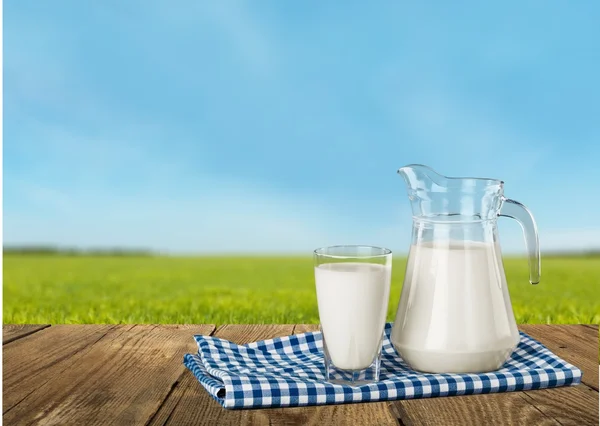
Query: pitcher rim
x,y
491,180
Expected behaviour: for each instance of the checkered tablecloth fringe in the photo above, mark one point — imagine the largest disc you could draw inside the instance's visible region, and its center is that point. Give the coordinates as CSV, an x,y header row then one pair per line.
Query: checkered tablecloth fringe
x,y
288,372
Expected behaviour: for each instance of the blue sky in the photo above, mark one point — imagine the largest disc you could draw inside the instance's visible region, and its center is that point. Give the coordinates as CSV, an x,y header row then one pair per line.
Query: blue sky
x,y
278,126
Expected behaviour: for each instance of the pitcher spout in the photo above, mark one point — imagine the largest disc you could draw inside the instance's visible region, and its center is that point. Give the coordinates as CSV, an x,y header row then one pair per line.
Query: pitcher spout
x,y
419,176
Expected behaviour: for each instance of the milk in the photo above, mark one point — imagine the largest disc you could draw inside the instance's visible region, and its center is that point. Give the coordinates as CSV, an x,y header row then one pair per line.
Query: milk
x,y
455,313
353,301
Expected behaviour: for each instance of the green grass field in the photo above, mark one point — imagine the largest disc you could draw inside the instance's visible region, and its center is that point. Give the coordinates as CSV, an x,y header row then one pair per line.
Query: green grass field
x,y
80,289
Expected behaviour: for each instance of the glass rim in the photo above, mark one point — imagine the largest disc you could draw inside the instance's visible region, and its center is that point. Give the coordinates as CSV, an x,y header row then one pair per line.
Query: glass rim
x,y
321,252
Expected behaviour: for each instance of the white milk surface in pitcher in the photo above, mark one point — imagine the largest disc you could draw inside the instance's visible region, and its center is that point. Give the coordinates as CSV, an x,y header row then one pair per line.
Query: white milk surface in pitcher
x,y
455,313
353,299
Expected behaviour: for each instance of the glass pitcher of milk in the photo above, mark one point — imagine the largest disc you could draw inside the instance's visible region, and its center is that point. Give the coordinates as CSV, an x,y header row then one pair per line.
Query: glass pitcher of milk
x,y
455,314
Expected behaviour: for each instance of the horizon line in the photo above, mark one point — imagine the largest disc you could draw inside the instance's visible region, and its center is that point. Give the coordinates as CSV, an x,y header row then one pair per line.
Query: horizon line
x,y
48,249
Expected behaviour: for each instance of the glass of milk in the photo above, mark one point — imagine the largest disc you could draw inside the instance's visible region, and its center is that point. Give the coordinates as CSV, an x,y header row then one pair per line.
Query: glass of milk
x,y
353,288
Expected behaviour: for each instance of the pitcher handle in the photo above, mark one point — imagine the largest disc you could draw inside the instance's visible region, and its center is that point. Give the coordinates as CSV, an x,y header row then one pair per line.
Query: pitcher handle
x,y
517,211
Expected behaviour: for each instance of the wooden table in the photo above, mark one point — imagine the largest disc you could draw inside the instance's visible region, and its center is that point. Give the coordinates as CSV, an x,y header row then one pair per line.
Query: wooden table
x,y
133,374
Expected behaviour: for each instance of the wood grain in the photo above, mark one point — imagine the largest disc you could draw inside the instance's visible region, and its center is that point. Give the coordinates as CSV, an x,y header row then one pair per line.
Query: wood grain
x,y
594,329
31,362
573,405
573,343
123,377
190,404
12,332
499,409
305,328
247,333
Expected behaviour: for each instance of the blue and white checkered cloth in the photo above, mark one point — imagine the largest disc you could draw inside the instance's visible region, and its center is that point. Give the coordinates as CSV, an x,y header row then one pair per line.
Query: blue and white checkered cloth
x,y
289,372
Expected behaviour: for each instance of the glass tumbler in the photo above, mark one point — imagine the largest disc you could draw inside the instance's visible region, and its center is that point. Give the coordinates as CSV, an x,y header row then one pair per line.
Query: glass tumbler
x,y
353,288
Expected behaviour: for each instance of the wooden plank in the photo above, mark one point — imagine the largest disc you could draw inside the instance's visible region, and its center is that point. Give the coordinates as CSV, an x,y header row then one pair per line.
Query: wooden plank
x,y
305,328
575,405
190,404
247,333
123,377
568,405
12,332
374,413
575,344
31,362
504,409
592,329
